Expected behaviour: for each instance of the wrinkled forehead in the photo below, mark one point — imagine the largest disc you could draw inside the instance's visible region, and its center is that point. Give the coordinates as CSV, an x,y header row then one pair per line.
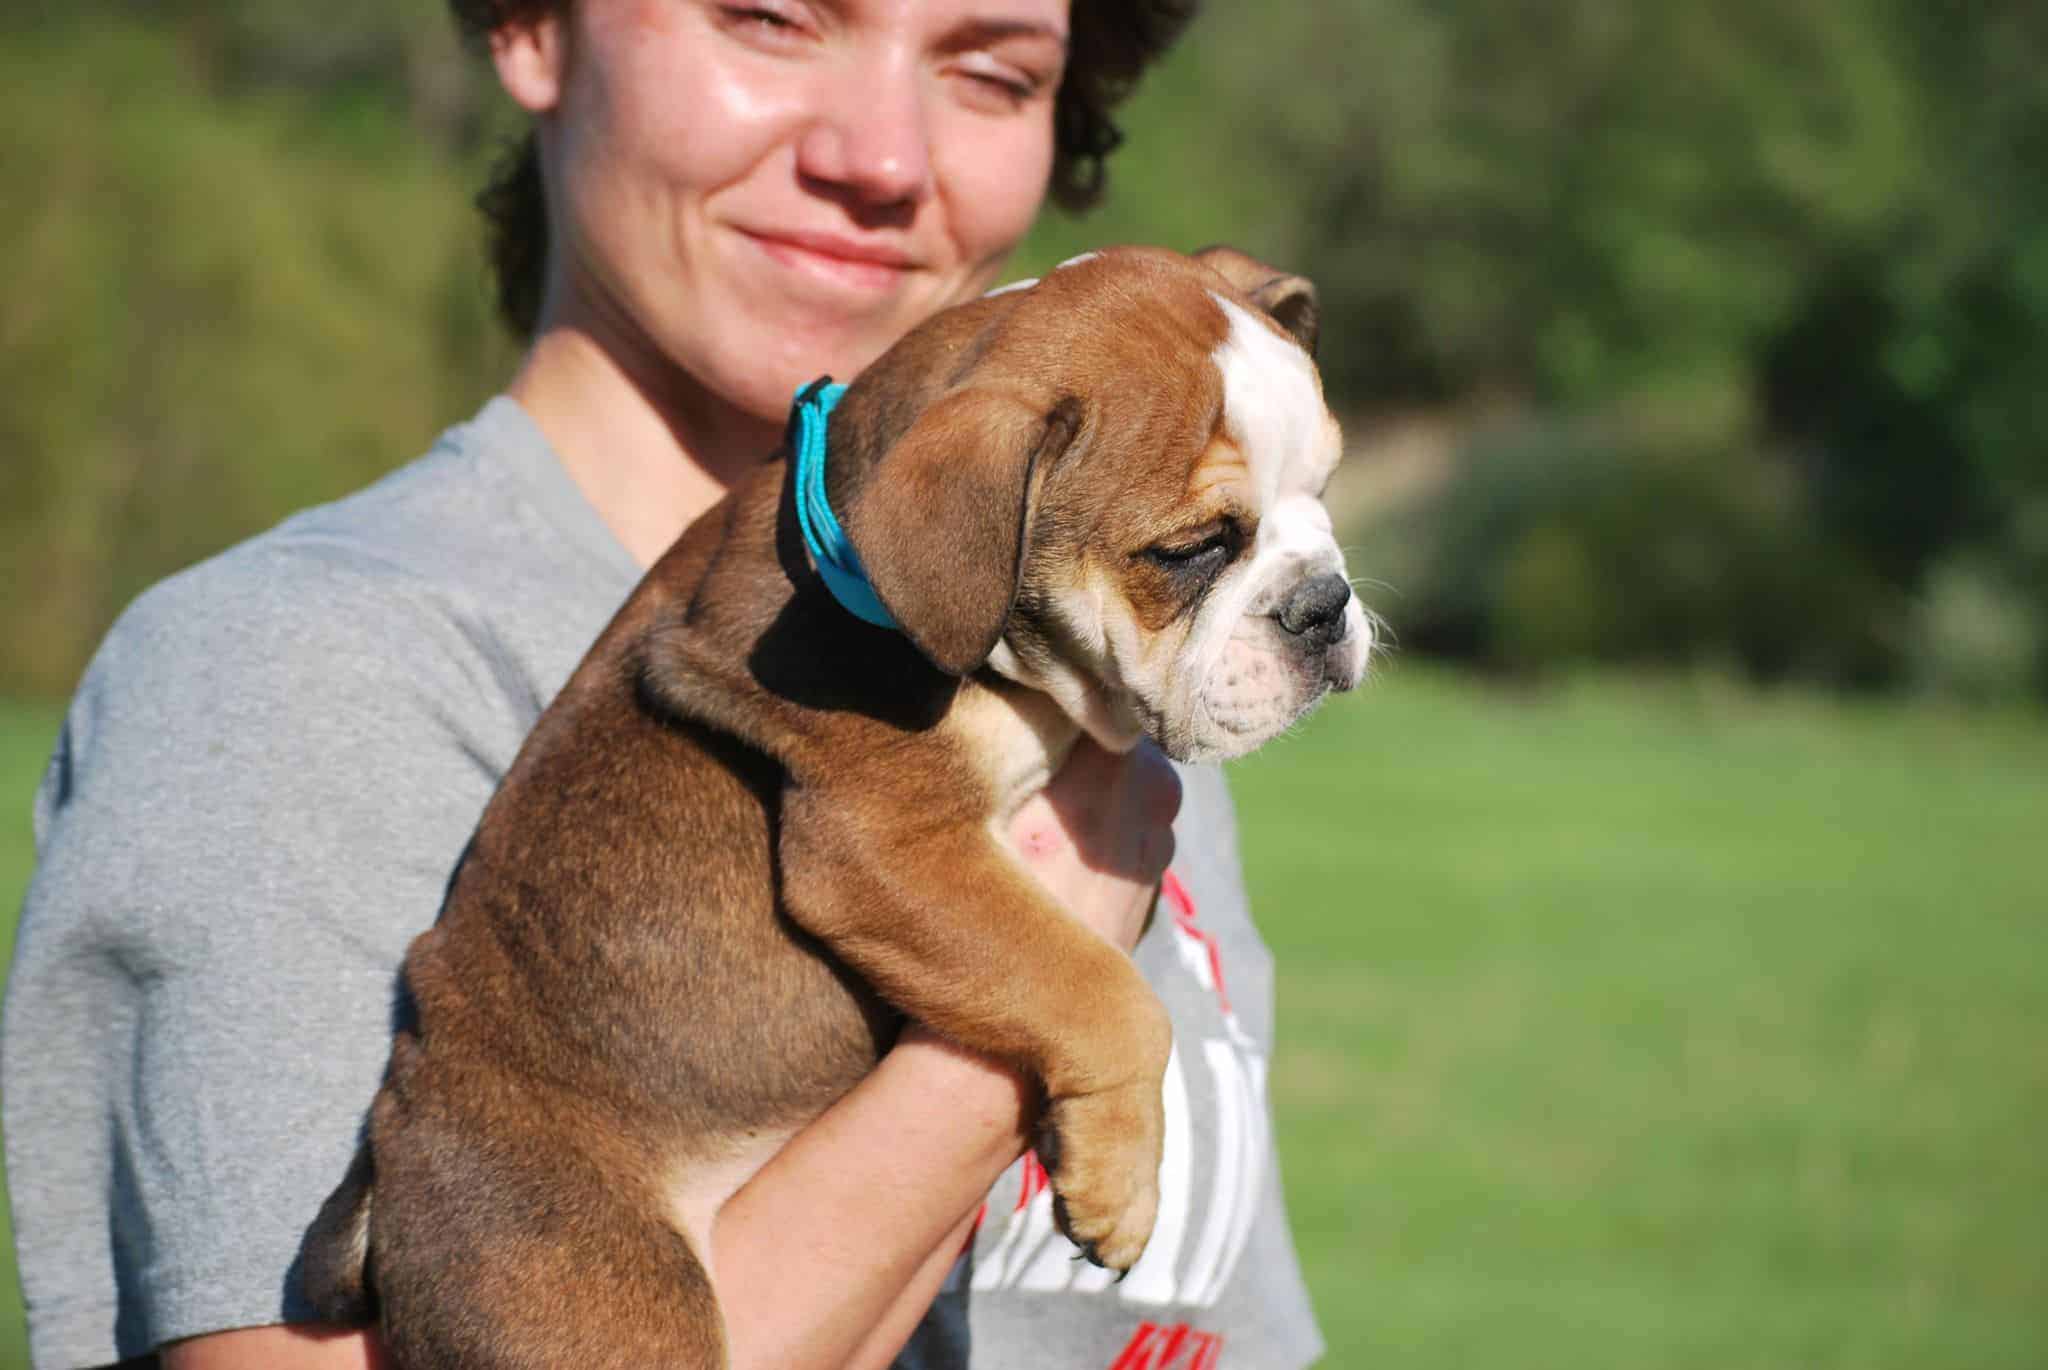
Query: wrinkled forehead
x,y
1142,313
1187,367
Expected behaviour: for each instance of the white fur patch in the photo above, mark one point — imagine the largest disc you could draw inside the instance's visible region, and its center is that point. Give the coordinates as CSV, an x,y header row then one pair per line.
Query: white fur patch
x,y
1273,410
1273,407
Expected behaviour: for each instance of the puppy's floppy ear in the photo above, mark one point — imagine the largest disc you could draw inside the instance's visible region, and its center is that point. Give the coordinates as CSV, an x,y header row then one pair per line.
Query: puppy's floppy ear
x,y
942,519
1291,300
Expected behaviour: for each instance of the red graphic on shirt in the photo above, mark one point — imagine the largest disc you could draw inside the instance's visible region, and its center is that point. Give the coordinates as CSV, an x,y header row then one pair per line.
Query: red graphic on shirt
x,y
1031,1181
1179,1347
1183,904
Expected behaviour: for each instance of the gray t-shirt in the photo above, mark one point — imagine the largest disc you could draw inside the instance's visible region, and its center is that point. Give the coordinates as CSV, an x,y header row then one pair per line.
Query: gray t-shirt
x,y
260,792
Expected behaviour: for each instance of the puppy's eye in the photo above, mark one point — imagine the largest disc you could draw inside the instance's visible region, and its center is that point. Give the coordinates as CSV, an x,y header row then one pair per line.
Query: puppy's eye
x,y
1193,555
1191,567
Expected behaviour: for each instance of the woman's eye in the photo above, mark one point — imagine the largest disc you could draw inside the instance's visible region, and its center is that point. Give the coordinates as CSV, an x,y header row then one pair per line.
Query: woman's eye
x,y
1009,89
998,83
765,21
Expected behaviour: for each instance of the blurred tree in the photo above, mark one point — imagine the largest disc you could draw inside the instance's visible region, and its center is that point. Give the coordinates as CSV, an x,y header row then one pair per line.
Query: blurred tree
x,y
225,310
383,54
1797,247
1816,234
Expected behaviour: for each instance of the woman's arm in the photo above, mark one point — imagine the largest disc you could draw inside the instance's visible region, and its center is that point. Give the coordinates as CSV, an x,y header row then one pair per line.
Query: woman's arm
x,y
831,1254
839,1243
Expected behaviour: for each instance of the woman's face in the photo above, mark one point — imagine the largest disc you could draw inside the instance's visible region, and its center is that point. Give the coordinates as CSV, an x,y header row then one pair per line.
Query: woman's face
x,y
759,193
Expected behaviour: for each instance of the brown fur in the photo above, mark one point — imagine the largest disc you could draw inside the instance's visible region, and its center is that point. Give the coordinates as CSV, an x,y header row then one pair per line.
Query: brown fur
x,y
752,830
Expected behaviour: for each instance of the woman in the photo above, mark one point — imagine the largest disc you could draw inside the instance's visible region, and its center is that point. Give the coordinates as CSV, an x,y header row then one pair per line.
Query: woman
x,y
269,772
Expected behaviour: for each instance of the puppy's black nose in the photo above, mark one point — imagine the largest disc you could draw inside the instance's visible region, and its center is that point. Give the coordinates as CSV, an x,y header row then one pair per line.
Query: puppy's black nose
x,y
1315,611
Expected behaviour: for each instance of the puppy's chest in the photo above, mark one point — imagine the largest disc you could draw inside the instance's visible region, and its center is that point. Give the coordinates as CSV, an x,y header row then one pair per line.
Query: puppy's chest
x,y
1013,738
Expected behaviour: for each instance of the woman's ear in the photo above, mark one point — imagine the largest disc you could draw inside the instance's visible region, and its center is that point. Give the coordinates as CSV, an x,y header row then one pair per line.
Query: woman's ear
x,y
529,55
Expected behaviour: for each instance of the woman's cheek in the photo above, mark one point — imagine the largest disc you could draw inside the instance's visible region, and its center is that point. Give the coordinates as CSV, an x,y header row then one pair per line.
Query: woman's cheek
x,y
995,186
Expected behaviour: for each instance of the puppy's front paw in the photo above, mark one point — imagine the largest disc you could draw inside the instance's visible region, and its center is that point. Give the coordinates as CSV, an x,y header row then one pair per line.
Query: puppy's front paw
x,y
1102,1151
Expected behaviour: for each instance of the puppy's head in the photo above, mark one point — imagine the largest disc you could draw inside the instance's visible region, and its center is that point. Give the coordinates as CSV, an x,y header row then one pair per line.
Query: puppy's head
x,y
1107,485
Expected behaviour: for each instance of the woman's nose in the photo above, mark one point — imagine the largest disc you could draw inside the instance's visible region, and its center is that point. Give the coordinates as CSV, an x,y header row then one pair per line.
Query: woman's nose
x,y
870,140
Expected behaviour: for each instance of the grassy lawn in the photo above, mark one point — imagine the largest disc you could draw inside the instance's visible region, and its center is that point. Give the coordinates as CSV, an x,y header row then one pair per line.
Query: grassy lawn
x,y
1626,1026
1629,1025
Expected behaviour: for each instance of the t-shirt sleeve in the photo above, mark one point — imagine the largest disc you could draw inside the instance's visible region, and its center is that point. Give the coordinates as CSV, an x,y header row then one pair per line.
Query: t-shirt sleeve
x,y
260,793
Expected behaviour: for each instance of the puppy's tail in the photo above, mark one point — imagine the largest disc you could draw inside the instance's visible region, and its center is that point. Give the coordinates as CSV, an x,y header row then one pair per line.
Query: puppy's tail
x,y
334,1262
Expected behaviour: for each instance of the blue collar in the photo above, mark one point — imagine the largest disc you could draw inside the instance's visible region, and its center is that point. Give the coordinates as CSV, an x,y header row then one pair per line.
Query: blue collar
x,y
831,553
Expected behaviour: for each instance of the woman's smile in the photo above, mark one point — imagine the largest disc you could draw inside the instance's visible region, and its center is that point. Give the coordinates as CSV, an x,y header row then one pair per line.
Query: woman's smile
x,y
839,263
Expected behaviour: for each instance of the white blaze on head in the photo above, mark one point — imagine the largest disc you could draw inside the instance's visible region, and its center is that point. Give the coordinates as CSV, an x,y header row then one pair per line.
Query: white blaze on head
x,y
1273,410
1247,680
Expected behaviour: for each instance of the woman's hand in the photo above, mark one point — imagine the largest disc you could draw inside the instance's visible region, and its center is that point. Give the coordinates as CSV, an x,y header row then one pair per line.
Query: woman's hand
x,y
1100,836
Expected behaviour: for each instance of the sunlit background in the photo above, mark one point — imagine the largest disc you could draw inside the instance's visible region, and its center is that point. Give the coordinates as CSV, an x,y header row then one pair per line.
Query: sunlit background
x,y
1663,934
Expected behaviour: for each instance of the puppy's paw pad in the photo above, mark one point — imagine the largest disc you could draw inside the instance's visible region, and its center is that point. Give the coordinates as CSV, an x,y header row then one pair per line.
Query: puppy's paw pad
x,y
1105,1177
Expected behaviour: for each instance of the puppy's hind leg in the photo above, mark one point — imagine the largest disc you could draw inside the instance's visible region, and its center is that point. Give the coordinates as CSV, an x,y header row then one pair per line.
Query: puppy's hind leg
x,y
501,1240
602,1286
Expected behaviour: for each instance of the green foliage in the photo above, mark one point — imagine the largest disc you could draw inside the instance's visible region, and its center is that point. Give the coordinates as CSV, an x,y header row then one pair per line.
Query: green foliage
x,y
1974,635
1179,182
1561,544
1807,243
1574,198
1815,235
223,314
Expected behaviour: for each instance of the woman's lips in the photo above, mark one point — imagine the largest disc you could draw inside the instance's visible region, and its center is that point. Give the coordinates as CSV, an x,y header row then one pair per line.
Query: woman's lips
x,y
839,261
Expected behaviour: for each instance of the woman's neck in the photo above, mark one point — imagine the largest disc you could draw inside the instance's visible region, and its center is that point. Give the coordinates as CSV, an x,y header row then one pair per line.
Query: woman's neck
x,y
650,452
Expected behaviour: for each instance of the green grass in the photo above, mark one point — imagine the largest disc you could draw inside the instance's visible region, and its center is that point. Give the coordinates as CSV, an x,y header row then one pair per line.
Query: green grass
x,y
1630,1026
1634,1025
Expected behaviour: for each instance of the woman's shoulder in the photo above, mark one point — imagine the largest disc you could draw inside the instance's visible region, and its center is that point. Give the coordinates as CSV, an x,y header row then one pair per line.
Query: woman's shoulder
x,y
454,520
445,557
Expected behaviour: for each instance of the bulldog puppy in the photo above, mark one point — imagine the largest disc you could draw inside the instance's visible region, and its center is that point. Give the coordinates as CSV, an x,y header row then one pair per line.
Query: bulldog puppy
x,y
755,827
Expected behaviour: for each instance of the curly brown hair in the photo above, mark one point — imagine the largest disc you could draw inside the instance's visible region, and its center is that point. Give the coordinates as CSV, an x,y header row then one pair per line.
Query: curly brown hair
x,y
1110,44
